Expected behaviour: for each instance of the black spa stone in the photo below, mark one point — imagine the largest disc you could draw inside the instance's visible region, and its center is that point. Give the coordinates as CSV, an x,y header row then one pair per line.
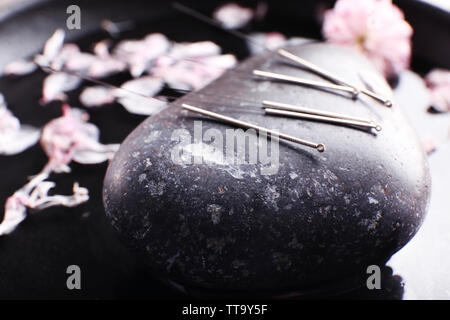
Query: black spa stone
x,y
320,218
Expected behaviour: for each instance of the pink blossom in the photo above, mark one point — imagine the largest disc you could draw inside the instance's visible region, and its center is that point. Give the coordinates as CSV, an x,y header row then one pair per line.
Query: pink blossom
x,y
438,83
67,52
56,84
97,96
14,137
196,73
138,54
233,16
134,93
19,68
375,27
15,213
51,48
105,64
71,137
188,50
191,66
34,195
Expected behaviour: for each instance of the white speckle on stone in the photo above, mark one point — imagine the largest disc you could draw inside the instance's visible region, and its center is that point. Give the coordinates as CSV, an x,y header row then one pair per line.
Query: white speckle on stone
x,y
372,200
135,154
293,175
142,177
152,136
216,212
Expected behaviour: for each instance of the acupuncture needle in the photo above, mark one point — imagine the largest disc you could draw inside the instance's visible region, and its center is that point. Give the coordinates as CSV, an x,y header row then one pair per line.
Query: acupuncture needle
x,y
318,146
307,116
331,76
324,85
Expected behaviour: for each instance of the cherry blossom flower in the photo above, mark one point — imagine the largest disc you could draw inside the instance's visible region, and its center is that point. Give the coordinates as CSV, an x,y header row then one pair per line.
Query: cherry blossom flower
x,y
14,137
438,83
375,27
233,16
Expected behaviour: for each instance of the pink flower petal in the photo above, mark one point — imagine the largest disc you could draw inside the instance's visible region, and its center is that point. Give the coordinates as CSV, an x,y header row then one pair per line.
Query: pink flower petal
x,y
51,48
15,213
65,138
194,50
233,16
140,105
19,68
139,54
14,137
97,96
56,84
148,86
19,140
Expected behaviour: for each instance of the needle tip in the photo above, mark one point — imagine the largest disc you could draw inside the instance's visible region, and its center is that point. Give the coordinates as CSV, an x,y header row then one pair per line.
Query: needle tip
x,y
388,103
320,147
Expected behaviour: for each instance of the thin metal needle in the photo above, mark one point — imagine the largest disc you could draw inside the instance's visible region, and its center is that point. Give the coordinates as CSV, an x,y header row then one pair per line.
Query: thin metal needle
x,y
290,107
320,118
278,76
318,146
331,76
193,13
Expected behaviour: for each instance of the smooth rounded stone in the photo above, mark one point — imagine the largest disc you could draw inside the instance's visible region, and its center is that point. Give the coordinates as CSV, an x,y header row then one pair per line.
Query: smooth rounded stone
x,y
314,219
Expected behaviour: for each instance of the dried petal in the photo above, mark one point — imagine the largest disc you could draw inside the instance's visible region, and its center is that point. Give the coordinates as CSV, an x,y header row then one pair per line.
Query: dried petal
x,y
147,86
97,96
65,54
233,16
19,68
69,137
56,84
19,141
15,213
140,105
139,54
14,138
51,48
194,50
104,67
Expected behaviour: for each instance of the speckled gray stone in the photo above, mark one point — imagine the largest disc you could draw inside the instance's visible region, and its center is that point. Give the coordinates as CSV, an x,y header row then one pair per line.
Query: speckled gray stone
x,y
320,218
